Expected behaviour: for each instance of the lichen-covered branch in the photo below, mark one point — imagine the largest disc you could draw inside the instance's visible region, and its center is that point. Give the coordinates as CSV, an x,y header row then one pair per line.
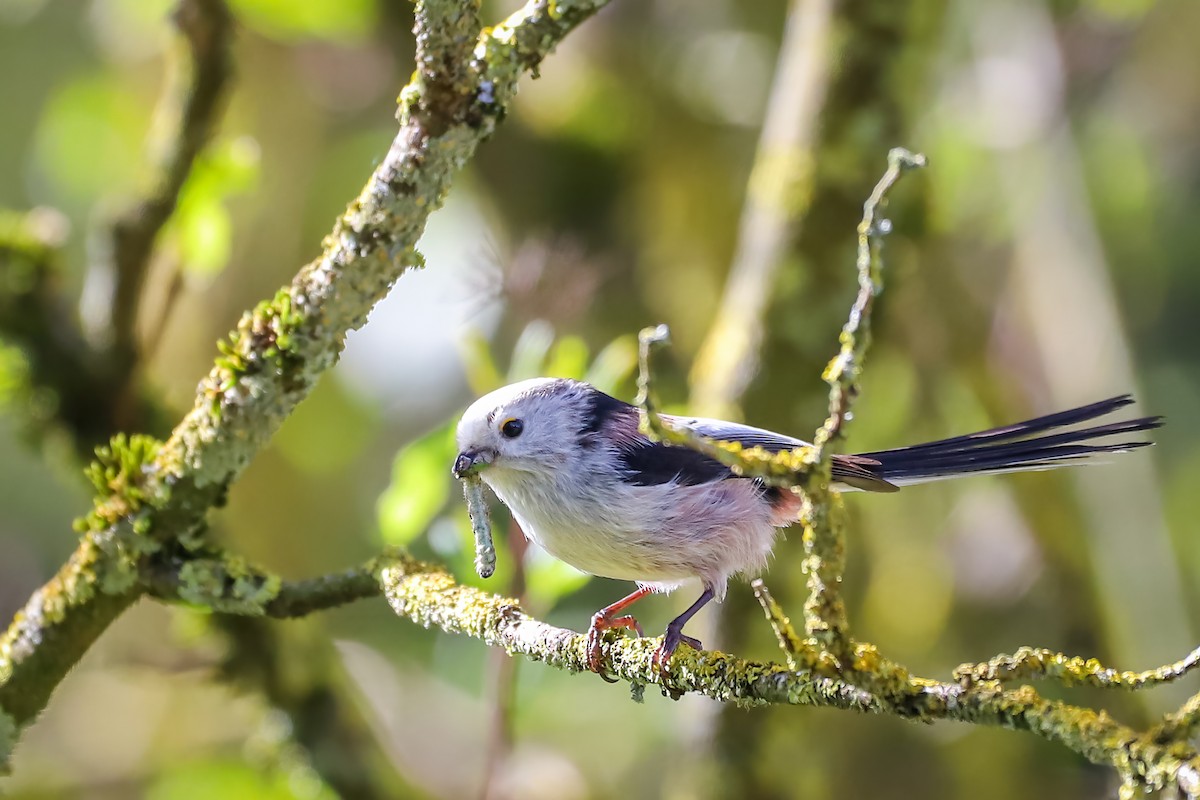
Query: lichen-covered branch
x,y
786,468
808,469
429,596
228,584
1153,759
147,530
273,359
1180,724
1030,663
789,641
822,512
91,393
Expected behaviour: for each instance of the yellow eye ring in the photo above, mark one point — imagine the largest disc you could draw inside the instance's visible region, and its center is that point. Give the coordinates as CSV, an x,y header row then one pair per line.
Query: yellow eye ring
x,y
512,427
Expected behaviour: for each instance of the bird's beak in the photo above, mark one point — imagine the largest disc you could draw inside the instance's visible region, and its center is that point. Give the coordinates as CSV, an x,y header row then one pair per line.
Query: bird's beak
x,y
470,462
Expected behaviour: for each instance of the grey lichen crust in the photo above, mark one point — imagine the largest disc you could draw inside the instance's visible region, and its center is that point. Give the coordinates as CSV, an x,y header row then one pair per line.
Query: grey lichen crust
x,y
228,585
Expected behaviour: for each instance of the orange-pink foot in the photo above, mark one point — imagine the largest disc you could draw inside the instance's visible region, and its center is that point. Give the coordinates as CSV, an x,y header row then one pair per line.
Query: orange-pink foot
x,y
595,638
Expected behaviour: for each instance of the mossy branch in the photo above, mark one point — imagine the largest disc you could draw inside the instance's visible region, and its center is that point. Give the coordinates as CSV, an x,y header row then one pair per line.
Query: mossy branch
x,y
1031,664
228,584
273,359
428,595
89,395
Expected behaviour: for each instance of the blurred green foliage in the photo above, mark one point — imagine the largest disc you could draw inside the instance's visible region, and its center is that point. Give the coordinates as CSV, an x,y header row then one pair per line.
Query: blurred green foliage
x,y
1046,257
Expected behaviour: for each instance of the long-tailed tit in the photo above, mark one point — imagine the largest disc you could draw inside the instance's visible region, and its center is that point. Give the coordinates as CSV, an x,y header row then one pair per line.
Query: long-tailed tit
x,y
587,486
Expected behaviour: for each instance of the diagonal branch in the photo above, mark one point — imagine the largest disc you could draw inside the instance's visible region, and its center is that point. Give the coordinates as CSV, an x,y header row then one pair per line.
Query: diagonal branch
x,y
153,497
96,395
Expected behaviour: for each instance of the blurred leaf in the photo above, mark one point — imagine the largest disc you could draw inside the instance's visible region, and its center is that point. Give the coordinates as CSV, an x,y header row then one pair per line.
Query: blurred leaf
x,y
529,353
548,580
482,373
227,779
420,487
130,30
1123,11
328,430
337,20
232,165
14,374
89,141
614,364
568,358
584,104
202,226
205,236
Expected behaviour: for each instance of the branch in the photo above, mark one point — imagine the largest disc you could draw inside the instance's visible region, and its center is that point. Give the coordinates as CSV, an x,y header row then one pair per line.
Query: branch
x,y
63,378
227,584
428,596
91,395
778,195
1154,759
192,104
821,514
1031,663
807,469
156,498
789,641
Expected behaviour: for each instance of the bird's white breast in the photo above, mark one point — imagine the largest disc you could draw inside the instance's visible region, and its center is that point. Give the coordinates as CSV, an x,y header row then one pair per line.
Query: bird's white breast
x,y
661,535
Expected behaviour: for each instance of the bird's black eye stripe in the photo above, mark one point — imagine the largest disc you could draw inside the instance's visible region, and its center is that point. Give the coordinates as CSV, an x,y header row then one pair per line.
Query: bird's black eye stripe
x,y
512,428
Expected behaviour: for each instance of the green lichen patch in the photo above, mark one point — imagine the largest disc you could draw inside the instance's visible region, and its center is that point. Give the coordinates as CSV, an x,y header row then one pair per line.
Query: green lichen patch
x,y
264,342
227,584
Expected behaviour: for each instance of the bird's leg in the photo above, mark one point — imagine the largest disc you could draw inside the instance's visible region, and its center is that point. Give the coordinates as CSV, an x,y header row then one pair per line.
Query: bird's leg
x,y
675,635
607,619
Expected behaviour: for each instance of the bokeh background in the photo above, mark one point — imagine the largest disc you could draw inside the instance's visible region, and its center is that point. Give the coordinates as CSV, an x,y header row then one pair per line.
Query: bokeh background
x,y
1047,258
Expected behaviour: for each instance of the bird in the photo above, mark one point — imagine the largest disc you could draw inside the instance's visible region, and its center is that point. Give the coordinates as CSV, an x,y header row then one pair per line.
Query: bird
x,y
590,488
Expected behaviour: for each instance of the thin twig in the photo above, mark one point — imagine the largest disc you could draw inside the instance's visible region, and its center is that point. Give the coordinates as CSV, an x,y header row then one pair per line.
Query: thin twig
x,y
821,514
1030,663
789,641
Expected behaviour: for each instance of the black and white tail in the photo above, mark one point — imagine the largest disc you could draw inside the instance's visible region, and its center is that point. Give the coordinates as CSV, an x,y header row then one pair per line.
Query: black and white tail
x,y
1012,448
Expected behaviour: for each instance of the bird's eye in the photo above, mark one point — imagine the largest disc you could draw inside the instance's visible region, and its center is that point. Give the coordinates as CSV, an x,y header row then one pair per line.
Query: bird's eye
x,y
512,427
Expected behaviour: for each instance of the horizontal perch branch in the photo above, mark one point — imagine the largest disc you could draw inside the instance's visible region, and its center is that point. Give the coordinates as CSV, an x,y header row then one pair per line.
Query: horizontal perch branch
x,y
429,596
